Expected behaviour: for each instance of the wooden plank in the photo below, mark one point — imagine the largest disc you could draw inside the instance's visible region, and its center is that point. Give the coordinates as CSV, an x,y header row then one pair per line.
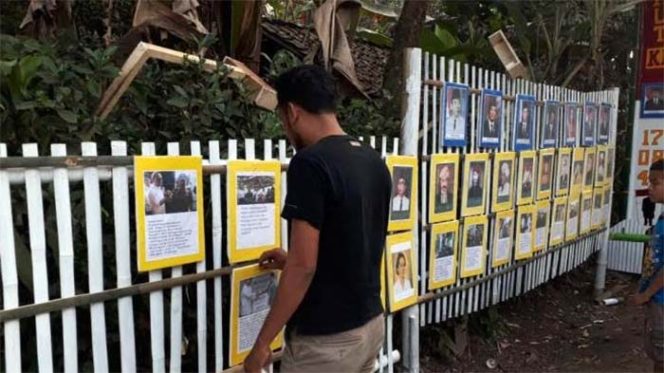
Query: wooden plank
x,y
38,249
284,187
217,233
175,358
66,257
123,258
12,329
201,296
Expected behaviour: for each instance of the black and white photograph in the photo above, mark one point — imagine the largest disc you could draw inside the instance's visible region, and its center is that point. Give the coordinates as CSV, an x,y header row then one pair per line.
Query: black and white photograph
x,y
444,244
550,124
454,114
652,100
563,171
505,227
526,223
542,217
475,235
545,173
257,293
401,193
524,122
491,118
168,192
559,213
255,189
476,184
527,178
600,172
589,169
604,123
577,173
571,120
504,181
589,123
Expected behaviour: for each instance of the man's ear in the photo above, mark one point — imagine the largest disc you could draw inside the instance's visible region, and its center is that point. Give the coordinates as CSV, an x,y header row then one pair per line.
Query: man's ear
x,y
292,113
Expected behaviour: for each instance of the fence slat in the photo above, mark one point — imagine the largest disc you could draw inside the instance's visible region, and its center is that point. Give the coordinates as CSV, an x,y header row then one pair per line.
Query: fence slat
x,y
66,255
175,358
12,329
123,259
38,249
217,232
201,295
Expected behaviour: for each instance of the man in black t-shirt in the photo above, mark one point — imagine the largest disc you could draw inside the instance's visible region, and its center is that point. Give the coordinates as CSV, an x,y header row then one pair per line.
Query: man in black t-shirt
x,y
337,204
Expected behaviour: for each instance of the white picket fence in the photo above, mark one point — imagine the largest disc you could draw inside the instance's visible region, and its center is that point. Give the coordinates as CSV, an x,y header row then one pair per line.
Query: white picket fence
x,y
626,256
111,283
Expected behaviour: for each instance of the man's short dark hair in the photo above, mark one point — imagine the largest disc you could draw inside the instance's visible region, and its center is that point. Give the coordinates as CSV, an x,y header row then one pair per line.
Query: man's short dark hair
x,y
658,165
308,86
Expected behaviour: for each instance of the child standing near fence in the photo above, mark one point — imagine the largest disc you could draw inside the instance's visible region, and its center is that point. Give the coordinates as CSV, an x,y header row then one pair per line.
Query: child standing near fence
x,y
651,293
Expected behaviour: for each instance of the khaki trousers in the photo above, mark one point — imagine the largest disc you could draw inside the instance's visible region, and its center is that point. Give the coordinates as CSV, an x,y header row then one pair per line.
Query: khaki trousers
x,y
354,350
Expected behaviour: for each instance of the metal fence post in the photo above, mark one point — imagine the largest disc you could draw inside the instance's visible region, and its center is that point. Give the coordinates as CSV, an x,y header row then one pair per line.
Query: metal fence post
x,y
409,136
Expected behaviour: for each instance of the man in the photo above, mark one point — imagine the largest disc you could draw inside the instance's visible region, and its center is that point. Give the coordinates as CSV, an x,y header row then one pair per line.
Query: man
x,y
527,184
156,195
563,182
524,124
337,205
571,124
655,101
550,127
490,130
400,202
455,123
651,292
475,192
443,193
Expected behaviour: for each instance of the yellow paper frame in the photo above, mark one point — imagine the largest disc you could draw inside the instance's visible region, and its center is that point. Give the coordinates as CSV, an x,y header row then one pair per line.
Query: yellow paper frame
x,y
506,205
578,155
524,210
559,192
586,196
571,234
557,202
236,255
600,149
390,241
393,161
475,210
237,276
497,262
545,194
520,199
473,220
436,229
541,205
436,160
144,164
589,151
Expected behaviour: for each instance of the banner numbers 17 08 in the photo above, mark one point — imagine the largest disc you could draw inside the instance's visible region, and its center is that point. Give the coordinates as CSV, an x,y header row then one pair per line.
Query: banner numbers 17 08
x,y
651,138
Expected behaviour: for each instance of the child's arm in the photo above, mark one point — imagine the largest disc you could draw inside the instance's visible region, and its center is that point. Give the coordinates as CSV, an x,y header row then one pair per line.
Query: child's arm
x,y
655,285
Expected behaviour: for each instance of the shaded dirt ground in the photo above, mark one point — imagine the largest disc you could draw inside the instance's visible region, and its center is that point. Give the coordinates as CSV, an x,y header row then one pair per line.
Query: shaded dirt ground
x,y
558,328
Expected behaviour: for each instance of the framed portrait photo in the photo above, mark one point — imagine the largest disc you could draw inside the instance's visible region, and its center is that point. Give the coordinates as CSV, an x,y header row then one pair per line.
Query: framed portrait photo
x,y
454,114
550,124
563,172
443,182
542,217
606,199
473,257
571,123
598,208
475,181
443,254
589,169
491,118
604,123
524,122
610,159
254,208
503,181
577,172
525,239
652,100
403,202
169,211
558,221
586,212
503,240
525,191
589,123
545,174
401,271
572,223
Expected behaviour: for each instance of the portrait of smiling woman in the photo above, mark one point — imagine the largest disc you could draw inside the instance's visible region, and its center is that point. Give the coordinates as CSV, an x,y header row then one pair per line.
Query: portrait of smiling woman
x,y
402,285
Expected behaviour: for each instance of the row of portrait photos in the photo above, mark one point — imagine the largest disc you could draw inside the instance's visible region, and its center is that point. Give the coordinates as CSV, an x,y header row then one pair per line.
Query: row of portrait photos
x,y
594,120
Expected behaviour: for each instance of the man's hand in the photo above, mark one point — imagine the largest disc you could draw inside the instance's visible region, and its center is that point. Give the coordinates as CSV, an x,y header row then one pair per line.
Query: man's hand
x,y
259,357
639,299
273,259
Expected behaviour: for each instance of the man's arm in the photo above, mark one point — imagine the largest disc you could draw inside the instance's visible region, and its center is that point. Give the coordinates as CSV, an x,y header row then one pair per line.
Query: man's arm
x,y
656,284
293,285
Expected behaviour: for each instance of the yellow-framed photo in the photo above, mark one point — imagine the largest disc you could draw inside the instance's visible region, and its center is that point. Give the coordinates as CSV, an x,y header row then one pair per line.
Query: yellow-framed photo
x,y
169,211
525,239
600,166
542,217
254,204
526,178
475,181
572,224
503,181
401,271
598,208
252,291
606,199
610,155
503,238
443,254
473,256
403,203
444,170
586,211
577,172
545,174
558,221
589,169
563,171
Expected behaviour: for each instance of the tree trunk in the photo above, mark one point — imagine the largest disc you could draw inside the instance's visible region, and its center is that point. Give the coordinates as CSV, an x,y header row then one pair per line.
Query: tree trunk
x,y
406,35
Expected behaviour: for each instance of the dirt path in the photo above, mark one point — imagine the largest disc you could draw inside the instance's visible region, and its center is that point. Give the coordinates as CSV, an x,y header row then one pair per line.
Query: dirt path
x,y
557,328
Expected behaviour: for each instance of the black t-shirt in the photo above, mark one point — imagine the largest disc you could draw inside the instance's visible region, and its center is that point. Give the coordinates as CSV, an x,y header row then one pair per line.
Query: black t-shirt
x,y
342,188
